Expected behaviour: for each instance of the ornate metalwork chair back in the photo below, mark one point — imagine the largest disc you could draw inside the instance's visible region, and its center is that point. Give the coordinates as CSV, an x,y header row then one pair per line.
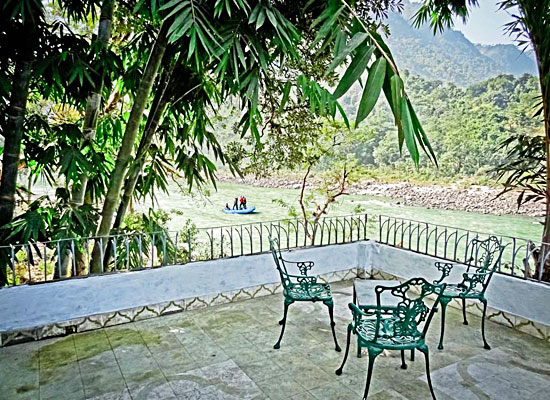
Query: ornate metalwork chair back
x,y
484,260
279,263
412,310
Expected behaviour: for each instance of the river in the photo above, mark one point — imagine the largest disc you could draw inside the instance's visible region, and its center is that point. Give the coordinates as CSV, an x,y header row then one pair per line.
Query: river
x,y
206,211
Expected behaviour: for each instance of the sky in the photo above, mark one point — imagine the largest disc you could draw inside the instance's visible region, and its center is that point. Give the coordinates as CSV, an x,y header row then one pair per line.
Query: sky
x,y
485,24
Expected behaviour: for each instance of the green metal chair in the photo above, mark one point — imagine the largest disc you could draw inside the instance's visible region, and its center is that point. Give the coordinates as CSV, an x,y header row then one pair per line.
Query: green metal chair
x,y
301,288
484,259
394,327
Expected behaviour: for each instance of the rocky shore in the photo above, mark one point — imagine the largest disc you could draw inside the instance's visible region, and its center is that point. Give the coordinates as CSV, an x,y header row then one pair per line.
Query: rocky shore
x,y
481,199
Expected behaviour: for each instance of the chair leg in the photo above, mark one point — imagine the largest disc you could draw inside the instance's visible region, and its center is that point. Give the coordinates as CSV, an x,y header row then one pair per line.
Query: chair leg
x,y
464,311
443,307
412,354
358,348
339,370
403,363
426,355
372,355
332,324
485,344
278,344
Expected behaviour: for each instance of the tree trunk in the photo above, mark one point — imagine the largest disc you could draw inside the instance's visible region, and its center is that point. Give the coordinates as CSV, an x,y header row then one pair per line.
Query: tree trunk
x,y
153,121
14,128
141,156
544,262
538,33
123,158
94,98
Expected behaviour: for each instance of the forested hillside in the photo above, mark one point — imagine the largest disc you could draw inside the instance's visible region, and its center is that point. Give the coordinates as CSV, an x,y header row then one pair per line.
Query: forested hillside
x,y
465,125
450,56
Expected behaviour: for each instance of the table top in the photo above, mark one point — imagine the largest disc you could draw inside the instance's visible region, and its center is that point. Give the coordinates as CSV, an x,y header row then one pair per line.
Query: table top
x,y
365,294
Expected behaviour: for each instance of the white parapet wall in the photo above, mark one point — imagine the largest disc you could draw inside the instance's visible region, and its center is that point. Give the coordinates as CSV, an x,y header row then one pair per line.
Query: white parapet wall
x,y
42,310
79,304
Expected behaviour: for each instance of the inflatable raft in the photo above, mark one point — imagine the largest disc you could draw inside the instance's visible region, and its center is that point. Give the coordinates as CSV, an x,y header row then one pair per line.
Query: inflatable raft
x,y
243,211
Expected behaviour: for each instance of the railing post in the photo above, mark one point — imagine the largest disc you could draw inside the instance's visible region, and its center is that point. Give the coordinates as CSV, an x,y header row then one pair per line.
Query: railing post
x,y
29,255
73,257
176,248
59,259
101,251
189,245
152,250
45,258
114,252
12,262
163,249
140,249
261,237
542,259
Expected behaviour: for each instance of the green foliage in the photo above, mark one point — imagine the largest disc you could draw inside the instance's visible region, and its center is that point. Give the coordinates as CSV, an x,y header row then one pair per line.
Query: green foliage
x,y
47,220
466,126
143,238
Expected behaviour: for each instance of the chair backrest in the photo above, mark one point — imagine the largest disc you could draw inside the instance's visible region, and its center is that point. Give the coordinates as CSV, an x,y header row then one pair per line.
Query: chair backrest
x,y
411,310
484,259
279,263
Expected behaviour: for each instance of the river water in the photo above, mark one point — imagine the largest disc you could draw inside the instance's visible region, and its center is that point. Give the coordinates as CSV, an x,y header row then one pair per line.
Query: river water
x,y
206,211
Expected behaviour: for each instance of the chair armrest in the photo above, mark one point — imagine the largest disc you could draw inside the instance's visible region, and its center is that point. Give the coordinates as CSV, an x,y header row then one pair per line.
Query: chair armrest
x,y
445,268
303,266
472,279
469,276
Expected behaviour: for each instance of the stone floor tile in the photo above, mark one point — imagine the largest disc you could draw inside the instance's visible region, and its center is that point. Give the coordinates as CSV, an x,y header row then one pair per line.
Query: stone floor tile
x,y
103,382
498,388
175,361
206,353
23,392
333,391
90,344
69,389
123,394
150,385
262,369
281,387
188,383
302,396
229,379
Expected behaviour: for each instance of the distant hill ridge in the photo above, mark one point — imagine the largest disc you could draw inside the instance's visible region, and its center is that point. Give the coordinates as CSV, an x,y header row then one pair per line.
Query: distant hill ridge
x,y
450,56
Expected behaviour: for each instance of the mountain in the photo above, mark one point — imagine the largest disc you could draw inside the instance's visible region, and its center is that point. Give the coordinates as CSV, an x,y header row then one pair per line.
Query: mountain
x,y
450,56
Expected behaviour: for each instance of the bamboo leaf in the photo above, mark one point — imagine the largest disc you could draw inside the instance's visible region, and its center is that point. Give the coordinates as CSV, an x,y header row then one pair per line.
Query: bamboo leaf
x,y
408,131
355,41
261,19
286,95
354,71
343,114
423,137
372,90
328,25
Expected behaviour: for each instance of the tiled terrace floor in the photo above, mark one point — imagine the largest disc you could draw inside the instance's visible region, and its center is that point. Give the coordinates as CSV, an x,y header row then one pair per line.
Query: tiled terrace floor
x,y
226,352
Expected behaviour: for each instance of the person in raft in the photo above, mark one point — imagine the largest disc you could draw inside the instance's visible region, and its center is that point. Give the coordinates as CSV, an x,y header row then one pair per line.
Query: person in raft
x,y
227,206
244,202
236,204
